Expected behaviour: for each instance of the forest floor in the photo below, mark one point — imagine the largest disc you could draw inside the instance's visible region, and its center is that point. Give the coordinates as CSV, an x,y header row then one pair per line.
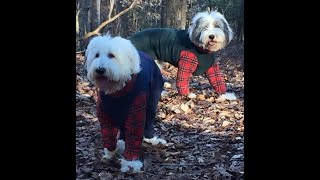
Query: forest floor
x,y
204,135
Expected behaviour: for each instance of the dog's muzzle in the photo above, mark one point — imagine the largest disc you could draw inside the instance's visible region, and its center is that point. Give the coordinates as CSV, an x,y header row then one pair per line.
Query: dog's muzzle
x,y
211,41
100,70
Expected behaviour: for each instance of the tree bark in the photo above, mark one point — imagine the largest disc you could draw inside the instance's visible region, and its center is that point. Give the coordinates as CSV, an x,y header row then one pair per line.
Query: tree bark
x,y
184,9
95,13
83,18
240,29
174,13
124,23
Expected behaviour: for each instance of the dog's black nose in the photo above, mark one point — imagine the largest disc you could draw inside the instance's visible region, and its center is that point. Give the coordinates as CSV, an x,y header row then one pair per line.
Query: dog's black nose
x,y
100,70
211,36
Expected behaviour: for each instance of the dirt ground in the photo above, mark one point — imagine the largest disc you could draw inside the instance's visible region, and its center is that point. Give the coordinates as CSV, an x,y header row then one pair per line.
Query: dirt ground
x,y
204,135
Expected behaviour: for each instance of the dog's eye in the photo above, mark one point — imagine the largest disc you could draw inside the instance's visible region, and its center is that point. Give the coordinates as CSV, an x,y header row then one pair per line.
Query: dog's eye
x,y
110,55
97,55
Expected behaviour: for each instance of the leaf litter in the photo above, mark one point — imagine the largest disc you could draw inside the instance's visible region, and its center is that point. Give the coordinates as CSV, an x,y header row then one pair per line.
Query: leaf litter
x,y
204,134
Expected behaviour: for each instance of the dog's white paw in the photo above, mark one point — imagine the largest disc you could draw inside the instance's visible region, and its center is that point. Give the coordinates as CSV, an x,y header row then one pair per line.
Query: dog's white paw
x,y
192,95
120,147
227,96
155,140
125,165
108,154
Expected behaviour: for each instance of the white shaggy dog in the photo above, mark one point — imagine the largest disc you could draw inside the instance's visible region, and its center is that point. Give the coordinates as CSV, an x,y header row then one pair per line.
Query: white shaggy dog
x,y
130,85
211,31
191,51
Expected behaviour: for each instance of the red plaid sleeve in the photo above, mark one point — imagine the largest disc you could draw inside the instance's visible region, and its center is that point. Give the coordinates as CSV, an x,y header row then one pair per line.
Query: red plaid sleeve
x,y
108,132
216,79
134,127
188,63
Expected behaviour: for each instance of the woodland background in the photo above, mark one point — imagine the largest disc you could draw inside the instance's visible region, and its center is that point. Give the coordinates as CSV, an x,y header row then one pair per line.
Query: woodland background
x,y
150,13
205,135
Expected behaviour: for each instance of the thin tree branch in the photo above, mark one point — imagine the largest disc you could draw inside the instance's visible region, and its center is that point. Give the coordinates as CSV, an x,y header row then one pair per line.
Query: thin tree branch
x,y
111,8
96,31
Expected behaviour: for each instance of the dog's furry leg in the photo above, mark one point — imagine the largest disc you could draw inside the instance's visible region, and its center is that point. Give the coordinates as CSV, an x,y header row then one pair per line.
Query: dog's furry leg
x,y
227,96
136,165
108,132
134,129
152,105
120,147
119,150
108,154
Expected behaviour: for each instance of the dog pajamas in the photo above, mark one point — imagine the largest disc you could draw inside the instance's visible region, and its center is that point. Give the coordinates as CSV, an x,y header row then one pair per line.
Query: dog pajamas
x,y
131,109
174,46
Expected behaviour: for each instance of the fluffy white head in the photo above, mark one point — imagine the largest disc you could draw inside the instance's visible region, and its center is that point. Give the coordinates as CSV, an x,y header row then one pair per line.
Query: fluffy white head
x,y
110,62
210,30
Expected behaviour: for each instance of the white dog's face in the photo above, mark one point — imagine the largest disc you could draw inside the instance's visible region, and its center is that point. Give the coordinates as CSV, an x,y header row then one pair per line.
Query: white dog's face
x,y
110,62
211,31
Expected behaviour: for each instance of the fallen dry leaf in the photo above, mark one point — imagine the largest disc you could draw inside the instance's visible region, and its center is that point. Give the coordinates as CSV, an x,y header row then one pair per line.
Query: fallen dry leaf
x,y
184,107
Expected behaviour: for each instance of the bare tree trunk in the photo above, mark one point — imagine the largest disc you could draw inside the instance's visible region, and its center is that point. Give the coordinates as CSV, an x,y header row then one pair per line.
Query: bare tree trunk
x,y
165,14
95,13
124,23
174,13
240,30
184,9
83,18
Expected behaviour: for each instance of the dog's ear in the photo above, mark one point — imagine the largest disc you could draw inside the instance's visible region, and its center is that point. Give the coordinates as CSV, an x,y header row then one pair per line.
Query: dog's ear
x,y
227,30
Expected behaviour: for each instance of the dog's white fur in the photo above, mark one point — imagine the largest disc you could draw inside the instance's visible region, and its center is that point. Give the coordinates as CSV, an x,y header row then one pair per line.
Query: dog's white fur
x,y
125,165
206,24
120,59
108,52
108,154
227,96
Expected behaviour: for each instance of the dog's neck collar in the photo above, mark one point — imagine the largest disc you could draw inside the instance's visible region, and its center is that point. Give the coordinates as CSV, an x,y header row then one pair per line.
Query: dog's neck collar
x,y
203,50
127,88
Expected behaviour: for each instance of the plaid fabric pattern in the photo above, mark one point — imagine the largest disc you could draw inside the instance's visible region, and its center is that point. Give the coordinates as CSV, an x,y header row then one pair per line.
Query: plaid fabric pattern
x,y
108,132
187,64
216,79
134,128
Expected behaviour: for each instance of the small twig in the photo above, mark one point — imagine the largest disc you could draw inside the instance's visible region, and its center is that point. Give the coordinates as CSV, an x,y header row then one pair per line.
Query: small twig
x,y
111,8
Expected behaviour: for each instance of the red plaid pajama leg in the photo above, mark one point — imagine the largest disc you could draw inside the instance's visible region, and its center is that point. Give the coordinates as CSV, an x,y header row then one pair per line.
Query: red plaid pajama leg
x,y
187,64
134,128
109,133
216,79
